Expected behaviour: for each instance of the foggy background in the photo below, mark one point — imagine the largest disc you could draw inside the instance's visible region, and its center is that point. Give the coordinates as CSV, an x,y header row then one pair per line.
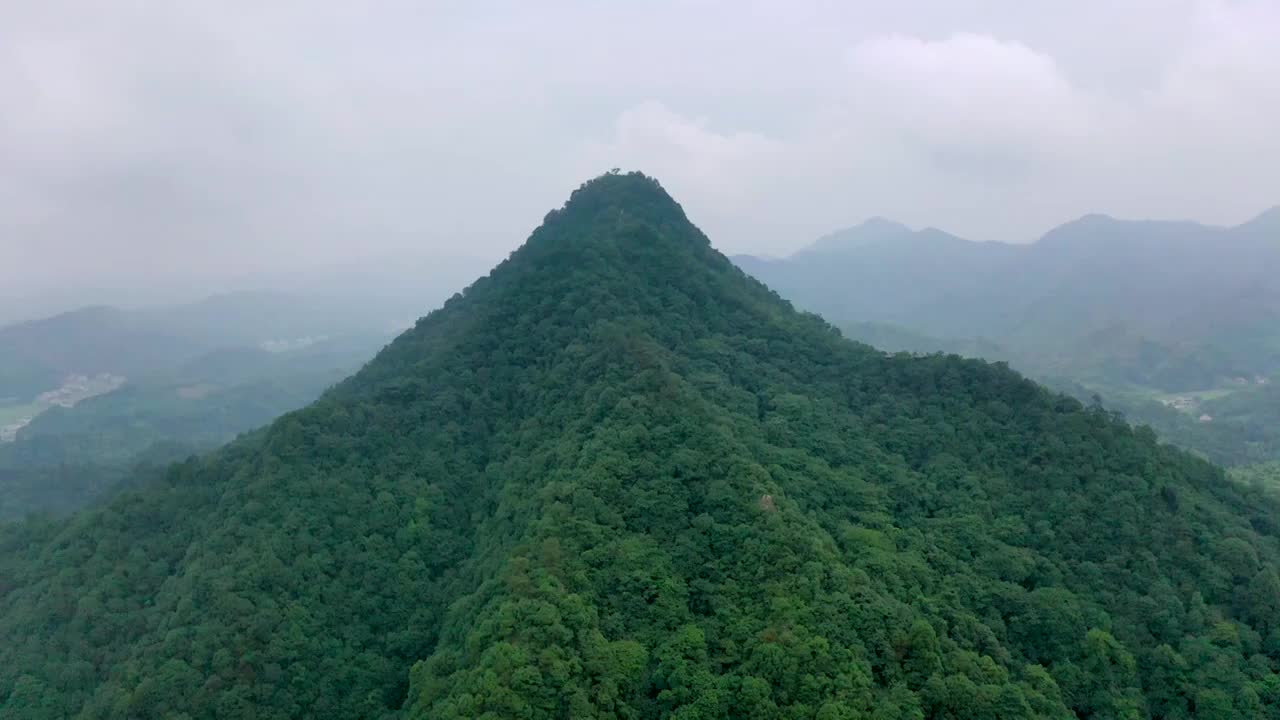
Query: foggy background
x,y
158,151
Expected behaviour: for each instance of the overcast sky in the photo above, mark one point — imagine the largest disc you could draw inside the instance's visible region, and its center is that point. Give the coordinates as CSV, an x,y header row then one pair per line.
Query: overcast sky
x,y
168,139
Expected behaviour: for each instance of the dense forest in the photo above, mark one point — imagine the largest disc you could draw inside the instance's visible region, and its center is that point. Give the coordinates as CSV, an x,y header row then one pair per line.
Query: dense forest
x,y
1237,425
1263,476
619,478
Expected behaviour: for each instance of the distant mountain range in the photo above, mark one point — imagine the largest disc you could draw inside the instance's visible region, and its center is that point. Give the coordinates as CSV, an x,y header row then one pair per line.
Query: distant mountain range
x,y
1129,308
1173,305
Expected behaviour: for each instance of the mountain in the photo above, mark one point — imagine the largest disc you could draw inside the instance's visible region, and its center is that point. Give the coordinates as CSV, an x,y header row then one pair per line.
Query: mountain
x,y
1139,312
875,271
617,477
872,231
1266,223
1188,290
35,356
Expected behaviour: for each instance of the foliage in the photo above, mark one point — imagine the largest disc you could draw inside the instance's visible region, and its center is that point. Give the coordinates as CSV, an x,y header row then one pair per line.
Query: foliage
x,y
619,478
1264,476
1241,429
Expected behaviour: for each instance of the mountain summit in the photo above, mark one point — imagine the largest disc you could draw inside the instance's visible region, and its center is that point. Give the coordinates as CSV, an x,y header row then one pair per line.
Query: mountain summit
x,y
1268,220
869,232
618,478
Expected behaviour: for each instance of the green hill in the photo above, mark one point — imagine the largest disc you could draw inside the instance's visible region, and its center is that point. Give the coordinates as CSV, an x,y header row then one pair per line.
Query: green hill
x,y
618,478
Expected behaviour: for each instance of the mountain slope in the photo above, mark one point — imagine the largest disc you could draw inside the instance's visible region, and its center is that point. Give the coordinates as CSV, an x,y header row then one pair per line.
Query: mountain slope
x,y
619,478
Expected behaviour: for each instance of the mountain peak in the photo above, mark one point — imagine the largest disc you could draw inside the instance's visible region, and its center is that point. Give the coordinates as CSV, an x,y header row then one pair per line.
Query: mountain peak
x,y
620,248
880,231
1096,228
1085,227
1266,220
89,315
872,230
1091,220
633,192
609,210
877,223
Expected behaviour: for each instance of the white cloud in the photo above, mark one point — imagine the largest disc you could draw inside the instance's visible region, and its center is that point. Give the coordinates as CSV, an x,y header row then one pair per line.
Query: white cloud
x,y
689,150
969,95
1228,76
227,136
988,136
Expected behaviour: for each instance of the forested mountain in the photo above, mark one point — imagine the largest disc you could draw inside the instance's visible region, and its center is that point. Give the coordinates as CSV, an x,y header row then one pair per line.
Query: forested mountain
x,y
619,478
1141,313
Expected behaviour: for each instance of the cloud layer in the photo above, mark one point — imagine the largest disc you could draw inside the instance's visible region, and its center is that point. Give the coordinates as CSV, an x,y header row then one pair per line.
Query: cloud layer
x,y
186,139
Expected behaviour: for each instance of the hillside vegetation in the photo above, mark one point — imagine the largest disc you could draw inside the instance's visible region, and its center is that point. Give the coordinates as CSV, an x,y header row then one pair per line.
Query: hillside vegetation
x,y
619,478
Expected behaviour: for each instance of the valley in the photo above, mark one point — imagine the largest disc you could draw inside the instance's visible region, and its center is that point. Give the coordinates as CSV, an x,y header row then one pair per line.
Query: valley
x,y
193,386
74,389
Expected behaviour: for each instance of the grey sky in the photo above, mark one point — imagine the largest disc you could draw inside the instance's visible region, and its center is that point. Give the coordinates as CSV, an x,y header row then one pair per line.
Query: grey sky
x,y
174,139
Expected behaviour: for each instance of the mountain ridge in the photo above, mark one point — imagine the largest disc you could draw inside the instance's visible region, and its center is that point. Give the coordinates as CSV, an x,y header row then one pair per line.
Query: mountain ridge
x,y
879,229
618,477
1266,220
1176,284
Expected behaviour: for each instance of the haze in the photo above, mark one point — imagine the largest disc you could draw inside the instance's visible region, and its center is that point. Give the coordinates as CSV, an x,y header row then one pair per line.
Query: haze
x,y
190,147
